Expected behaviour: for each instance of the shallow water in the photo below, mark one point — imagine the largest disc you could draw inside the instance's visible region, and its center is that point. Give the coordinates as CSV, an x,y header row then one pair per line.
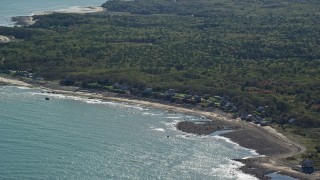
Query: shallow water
x,y
11,8
75,138
275,176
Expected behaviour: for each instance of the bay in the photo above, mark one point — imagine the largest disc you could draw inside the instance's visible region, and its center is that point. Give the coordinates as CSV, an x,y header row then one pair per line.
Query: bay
x,y
78,138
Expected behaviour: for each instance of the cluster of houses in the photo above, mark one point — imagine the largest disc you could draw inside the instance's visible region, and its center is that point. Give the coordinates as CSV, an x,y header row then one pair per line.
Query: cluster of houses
x,y
25,74
221,102
255,116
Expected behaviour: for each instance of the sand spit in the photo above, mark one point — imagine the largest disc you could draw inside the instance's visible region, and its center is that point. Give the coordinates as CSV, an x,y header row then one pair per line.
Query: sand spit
x,y
73,10
29,20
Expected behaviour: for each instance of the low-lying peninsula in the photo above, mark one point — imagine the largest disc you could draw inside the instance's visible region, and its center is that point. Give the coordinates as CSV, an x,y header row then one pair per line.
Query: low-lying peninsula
x,y
265,140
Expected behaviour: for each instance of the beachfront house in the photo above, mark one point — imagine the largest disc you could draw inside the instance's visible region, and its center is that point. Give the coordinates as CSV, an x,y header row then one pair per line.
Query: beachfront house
x,y
264,123
147,92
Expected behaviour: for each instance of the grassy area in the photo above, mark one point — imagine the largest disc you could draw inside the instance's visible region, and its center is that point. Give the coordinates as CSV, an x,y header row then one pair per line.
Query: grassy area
x,y
308,137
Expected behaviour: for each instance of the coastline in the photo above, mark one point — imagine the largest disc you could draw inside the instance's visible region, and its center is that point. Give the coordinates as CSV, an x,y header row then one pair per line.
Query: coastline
x,y
265,140
29,20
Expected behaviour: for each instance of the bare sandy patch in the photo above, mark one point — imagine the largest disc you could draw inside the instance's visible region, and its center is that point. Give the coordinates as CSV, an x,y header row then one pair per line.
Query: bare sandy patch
x,y
4,39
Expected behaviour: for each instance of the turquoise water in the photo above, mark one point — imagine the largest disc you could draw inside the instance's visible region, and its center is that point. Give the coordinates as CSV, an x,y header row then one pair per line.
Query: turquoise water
x,y
75,138
10,8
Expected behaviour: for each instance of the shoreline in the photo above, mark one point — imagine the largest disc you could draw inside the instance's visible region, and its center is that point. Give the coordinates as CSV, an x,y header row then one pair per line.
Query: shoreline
x,y
28,20
264,140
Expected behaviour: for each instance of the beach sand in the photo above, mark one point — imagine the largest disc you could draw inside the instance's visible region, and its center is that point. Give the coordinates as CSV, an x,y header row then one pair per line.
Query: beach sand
x,y
28,20
265,140
4,39
76,10
9,81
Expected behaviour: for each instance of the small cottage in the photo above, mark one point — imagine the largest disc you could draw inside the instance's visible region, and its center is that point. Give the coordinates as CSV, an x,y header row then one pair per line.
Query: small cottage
x,y
147,92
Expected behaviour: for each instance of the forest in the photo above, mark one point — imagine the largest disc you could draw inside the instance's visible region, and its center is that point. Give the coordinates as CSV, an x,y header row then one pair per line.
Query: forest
x,y
256,53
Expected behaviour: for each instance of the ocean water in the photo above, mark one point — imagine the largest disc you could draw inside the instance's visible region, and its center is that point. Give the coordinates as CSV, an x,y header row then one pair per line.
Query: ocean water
x,y
77,138
11,8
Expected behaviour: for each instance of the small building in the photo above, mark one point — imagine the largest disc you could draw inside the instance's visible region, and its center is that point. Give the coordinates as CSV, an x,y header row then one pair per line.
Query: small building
x,y
249,117
243,115
256,120
30,75
307,166
264,123
147,92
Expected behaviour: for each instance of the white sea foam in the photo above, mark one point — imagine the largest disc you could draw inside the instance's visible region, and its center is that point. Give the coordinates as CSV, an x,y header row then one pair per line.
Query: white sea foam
x,y
232,169
92,101
200,162
237,146
158,129
174,117
23,87
150,114
188,136
172,125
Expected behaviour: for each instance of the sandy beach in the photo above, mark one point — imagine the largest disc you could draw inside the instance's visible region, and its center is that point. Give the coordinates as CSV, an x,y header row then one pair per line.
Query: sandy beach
x,y
4,39
8,81
76,10
265,140
29,20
